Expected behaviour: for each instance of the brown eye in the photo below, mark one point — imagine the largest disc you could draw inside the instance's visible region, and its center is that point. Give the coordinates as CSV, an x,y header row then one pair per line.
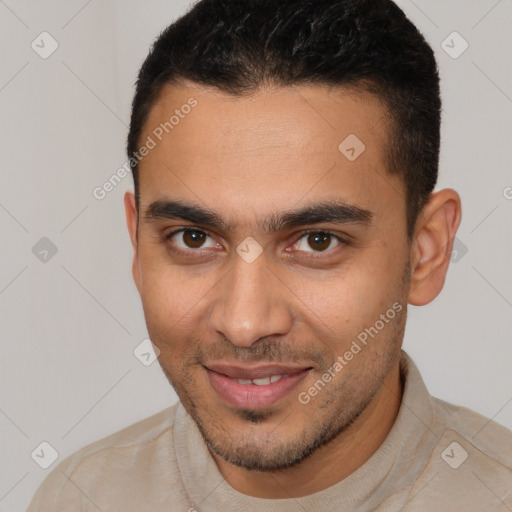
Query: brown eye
x,y
317,241
194,239
191,239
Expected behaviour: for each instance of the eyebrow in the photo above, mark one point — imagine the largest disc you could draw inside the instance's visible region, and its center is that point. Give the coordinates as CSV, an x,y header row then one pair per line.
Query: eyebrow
x,y
335,211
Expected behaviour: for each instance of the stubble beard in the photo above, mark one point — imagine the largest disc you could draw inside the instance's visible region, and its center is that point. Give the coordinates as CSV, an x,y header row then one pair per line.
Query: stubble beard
x,y
268,454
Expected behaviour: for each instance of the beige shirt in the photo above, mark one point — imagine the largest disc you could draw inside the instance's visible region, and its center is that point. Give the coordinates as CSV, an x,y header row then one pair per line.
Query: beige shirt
x,y
437,457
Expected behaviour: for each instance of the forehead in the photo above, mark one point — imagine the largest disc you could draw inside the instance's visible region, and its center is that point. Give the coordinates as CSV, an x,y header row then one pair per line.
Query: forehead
x,y
273,147
286,117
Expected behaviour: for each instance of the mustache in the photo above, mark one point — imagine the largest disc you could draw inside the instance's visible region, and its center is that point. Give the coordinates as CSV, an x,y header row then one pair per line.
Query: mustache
x,y
267,349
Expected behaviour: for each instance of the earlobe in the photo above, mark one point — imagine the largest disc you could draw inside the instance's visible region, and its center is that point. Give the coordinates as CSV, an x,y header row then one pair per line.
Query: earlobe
x,y
432,245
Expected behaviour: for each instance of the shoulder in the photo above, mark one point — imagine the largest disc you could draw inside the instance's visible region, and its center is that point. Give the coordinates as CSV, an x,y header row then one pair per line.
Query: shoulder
x,y
122,456
463,460
131,440
443,419
470,465
482,434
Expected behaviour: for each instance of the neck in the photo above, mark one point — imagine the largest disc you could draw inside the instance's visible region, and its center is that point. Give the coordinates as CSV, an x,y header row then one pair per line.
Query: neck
x,y
330,463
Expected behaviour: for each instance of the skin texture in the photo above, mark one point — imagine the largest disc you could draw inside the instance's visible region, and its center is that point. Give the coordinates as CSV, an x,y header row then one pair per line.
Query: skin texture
x,y
249,160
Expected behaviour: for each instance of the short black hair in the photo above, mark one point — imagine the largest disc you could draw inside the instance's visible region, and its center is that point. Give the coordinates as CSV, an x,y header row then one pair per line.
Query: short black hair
x,y
240,46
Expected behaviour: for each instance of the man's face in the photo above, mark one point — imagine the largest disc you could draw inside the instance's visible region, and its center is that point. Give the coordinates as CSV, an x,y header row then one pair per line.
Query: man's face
x,y
334,260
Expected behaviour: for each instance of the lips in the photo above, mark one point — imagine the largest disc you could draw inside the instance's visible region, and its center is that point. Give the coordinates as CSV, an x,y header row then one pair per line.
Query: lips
x,y
254,387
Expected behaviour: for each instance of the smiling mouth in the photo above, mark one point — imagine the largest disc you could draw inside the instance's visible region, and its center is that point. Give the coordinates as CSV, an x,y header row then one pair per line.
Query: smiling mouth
x,y
254,387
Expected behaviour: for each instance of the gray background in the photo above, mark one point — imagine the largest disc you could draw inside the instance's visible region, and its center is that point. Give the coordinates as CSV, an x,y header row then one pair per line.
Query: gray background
x,y
69,324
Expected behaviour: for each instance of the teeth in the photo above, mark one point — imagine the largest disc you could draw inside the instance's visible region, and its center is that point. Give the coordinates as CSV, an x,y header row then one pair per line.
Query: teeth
x,y
264,381
261,382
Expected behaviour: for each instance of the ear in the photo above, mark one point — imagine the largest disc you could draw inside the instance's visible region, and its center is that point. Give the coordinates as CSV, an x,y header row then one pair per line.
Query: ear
x,y
432,245
132,220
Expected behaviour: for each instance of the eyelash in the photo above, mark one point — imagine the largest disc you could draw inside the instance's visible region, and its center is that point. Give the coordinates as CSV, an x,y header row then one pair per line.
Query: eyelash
x,y
194,252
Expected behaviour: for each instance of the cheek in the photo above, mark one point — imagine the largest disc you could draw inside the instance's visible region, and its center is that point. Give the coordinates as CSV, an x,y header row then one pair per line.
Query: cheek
x,y
352,298
177,301
168,310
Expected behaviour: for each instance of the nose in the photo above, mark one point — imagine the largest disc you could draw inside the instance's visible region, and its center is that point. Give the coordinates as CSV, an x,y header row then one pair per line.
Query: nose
x,y
251,304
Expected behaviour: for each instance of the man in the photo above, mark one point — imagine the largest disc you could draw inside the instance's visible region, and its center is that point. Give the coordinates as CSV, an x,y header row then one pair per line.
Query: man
x,y
284,157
